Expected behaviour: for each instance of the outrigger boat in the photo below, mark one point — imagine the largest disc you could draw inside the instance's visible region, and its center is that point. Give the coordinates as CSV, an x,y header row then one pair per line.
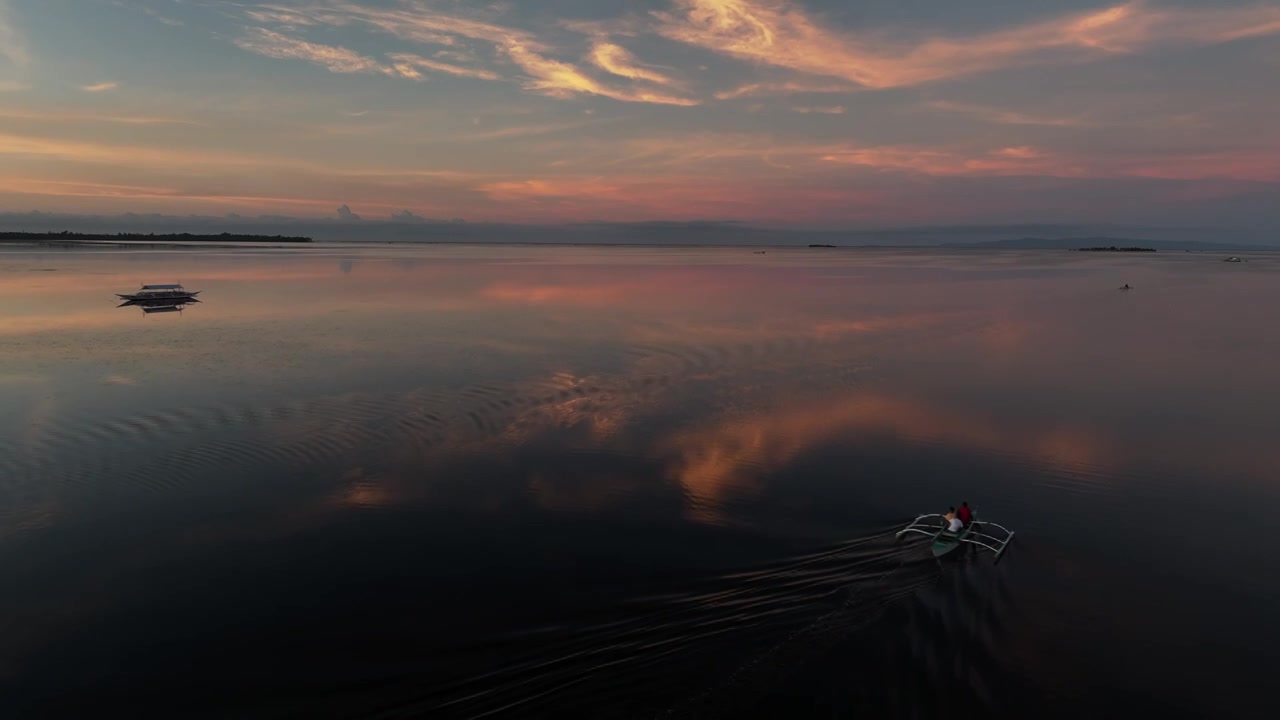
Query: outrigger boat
x,y
160,292
975,533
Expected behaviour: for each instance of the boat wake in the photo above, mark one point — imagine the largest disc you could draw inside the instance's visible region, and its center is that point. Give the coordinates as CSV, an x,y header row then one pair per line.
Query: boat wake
x,y
733,644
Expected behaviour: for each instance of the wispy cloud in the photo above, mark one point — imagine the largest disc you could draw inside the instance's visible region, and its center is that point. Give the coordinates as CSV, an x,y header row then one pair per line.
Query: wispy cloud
x,y
12,47
1027,161
728,155
64,116
560,79
1005,117
13,86
819,109
522,131
100,87
419,22
163,19
782,34
619,61
279,16
783,88
334,58
409,65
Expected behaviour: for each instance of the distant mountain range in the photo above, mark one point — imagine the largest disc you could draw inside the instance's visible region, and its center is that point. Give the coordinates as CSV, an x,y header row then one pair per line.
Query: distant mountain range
x,y
1076,243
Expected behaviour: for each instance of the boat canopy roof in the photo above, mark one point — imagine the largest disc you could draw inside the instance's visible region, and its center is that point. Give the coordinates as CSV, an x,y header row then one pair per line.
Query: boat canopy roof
x,y
162,287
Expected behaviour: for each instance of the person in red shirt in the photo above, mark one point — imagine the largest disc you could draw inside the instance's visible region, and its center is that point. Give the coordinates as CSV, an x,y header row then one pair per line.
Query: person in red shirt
x,y
965,514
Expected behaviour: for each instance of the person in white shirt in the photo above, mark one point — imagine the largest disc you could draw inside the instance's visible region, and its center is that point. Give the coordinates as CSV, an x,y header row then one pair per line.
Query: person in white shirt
x,y
956,525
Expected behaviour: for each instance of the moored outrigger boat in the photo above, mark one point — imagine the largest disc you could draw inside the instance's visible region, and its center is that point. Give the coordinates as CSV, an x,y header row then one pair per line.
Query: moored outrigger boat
x,y
159,292
977,533
149,307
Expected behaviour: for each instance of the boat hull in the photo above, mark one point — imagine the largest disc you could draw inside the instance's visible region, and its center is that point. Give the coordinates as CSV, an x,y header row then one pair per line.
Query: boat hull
x,y
156,297
945,542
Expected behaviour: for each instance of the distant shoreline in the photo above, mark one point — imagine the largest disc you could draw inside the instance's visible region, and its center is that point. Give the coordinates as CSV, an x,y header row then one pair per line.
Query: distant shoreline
x,y
70,237
192,241
1113,248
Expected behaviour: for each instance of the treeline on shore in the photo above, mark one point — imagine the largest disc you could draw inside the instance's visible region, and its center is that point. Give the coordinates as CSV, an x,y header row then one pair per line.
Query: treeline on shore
x,y
150,237
1113,248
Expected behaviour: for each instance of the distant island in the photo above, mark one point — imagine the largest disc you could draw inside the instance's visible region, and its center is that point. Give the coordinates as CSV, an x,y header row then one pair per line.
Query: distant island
x,y
1113,248
148,237
820,245
1103,244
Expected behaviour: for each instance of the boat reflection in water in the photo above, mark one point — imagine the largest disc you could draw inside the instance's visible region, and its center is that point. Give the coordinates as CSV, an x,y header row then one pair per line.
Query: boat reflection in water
x,y
168,305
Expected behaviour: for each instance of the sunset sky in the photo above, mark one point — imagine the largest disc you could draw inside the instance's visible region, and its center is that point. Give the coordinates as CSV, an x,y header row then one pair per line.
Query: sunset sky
x,y
822,113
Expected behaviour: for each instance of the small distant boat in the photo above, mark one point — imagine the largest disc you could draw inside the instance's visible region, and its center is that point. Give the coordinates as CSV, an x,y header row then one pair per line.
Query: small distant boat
x,y
1233,258
160,292
976,533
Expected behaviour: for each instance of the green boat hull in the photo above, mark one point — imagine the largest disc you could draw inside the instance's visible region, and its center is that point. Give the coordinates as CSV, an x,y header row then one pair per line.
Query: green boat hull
x,y
944,542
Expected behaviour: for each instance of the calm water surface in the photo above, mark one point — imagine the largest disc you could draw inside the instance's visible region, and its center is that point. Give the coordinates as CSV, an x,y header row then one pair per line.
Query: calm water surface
x,y
636,482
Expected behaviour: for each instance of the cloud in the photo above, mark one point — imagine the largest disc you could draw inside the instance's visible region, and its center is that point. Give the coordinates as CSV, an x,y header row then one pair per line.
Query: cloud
x,y
619,61
1022,152
781,34
783,88
559,79
100,87
59,116
12,47
1005,117
519,131
419,22
334,58
729,154
819,109
1023,160
408,64
405,216
13,86
119,380
279,16
344,213
171,22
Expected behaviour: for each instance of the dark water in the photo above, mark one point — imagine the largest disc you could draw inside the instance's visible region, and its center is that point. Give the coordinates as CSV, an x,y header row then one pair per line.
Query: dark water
x,y
636,483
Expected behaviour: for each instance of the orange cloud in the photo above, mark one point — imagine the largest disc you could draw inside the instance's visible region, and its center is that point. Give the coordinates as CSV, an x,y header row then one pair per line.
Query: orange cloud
x,y
423,24
559,79
619,61
779,33
100,87
134,154
408,64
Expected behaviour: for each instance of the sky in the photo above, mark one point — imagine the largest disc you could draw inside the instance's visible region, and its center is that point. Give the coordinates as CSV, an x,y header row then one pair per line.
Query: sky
x,y
806,113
